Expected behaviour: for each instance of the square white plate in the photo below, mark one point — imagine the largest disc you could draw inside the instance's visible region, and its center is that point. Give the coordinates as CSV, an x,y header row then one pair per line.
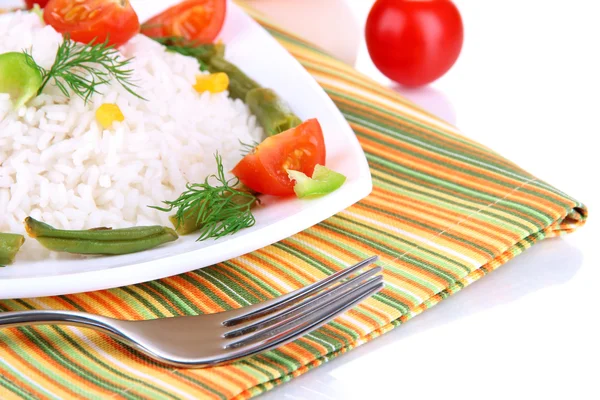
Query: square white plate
x,y
261,57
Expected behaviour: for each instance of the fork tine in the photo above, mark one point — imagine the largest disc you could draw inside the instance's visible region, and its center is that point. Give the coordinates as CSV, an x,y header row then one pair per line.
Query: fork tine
x,y
265,307
294,334
323,310
303,306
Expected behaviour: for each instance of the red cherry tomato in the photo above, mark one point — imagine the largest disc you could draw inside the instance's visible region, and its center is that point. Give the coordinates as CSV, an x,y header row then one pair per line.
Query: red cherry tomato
x,y
30,3
93,20
196,20
414,42
264,170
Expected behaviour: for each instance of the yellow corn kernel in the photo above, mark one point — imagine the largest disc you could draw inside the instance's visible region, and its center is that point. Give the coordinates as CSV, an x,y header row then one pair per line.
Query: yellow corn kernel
x,y
214,83
108,113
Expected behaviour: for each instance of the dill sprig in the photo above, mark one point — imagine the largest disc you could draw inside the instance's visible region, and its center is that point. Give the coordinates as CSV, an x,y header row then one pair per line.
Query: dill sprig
x,y
219,208
247,148
84,67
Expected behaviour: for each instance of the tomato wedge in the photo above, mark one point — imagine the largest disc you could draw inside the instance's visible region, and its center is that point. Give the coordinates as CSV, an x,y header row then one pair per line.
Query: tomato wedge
x,y
30,3
264,170
93,20
196,20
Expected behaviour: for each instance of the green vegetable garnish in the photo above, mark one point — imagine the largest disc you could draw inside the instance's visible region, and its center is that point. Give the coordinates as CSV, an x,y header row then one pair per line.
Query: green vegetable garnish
x,y
18,77
272,113
239,83
37,10
84,67
216,208
99,240
323,181
247,148
10,243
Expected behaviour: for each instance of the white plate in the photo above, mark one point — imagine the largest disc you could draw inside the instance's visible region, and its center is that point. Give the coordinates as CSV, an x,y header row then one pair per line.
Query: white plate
x,y
259,55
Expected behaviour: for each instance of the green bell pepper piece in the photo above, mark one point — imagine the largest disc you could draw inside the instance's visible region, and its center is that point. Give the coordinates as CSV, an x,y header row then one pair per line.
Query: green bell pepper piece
x,y
19,77
323,181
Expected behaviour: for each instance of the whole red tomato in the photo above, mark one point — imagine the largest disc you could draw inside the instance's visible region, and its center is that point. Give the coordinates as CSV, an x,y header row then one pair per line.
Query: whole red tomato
x,y
414,42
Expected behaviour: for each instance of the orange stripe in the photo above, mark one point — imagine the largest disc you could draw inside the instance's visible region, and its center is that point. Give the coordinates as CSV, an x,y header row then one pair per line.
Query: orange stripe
x,y
465,199
413,206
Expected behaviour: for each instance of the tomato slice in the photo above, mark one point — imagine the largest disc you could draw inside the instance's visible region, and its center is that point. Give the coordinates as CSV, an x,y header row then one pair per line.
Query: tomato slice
x,y
196,20
30,3
264,170
93,20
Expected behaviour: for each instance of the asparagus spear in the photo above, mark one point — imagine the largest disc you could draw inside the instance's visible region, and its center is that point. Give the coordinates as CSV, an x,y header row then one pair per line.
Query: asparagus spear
x,y
239,83
272,113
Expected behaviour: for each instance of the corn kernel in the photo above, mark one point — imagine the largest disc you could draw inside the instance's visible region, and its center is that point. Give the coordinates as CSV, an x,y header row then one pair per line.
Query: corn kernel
x,y
108,113
214,83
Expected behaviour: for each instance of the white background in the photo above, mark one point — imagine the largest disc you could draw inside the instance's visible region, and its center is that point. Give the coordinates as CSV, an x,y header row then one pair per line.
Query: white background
x,y
527,85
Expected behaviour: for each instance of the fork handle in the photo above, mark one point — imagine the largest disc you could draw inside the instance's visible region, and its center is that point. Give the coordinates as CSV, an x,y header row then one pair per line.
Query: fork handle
x,y
57,317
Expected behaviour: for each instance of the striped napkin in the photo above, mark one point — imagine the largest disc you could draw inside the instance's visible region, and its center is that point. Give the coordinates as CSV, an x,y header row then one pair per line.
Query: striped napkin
x,y
444,212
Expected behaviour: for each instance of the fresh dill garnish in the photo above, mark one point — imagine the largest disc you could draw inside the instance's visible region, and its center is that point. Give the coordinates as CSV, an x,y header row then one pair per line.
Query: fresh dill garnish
x,y
200,51
247,148
84,67
218,207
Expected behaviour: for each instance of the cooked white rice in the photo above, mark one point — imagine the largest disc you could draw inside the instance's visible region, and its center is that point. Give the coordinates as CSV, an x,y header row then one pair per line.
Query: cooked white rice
x,y
58,165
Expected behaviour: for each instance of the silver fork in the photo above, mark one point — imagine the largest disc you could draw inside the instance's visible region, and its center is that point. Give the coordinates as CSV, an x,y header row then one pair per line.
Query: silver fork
x,y
212,339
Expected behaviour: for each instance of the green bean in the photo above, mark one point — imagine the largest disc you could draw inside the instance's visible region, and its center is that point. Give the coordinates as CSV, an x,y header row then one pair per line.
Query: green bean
x,y
272,113
10,243
239,83
99,240
211,50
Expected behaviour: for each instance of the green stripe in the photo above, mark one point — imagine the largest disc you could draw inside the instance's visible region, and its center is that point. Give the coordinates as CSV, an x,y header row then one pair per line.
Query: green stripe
x,y
173,295
306,344
391,252
247,281
259,282
241,297
219,301
47,347
431,160
427,139
268,362
91,361
150,311
281,360
289,39
454,186
396,270
325,269
5,383
433,230
450,137
403,245
26,355
189,378
493,214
